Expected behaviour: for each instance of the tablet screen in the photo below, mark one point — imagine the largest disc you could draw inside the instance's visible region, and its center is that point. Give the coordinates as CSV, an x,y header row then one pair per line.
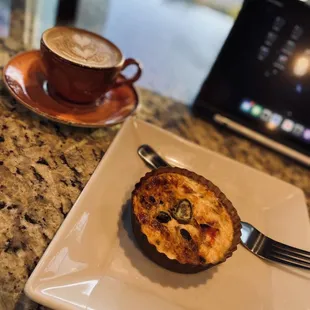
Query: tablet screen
x,y
261,77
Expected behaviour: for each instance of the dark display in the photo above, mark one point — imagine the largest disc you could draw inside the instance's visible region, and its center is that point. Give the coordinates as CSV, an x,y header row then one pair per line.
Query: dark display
x,y
262,75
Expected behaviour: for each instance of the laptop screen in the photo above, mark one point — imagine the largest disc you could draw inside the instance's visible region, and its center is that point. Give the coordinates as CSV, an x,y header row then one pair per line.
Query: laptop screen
x,y
261,77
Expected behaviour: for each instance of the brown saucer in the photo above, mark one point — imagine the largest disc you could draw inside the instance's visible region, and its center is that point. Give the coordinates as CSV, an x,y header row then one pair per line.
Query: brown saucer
x,y
24,77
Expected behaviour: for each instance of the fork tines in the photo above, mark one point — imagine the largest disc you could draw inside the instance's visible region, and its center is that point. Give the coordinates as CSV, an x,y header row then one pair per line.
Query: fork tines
x,y
286,254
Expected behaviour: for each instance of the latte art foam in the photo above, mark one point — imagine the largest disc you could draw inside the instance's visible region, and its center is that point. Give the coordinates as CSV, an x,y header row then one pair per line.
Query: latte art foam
x,y
81,47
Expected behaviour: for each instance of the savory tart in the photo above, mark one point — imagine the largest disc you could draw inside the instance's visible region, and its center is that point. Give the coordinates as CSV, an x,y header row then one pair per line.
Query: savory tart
x,y
182,221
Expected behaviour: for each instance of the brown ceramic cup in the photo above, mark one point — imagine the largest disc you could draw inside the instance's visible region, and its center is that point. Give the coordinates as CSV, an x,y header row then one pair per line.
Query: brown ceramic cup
x,y
83,80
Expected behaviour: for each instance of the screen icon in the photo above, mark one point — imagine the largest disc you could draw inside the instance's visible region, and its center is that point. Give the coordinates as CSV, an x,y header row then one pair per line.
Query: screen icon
x,y
265,116
287,125
298,88
263,53
289,47
278,23
274,121
270,38
283,59
275,71
297,32
298,130
307,135
256,110
246,106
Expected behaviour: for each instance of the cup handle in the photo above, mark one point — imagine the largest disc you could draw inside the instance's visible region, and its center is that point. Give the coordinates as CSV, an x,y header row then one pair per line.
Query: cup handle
x,y
129,62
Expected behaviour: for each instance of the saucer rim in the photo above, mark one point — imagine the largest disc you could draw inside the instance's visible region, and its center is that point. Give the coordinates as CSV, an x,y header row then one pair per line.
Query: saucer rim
x,y
56,119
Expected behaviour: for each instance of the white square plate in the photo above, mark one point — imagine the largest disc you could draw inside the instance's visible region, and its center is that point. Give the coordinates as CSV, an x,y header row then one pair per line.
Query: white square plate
x,y
93,262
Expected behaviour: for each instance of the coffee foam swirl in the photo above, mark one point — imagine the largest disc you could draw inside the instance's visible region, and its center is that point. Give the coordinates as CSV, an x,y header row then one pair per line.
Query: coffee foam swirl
x,y
81,47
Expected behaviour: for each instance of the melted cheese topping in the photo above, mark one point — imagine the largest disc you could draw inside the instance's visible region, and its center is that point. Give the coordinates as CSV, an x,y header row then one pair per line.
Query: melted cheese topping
x,y
210,228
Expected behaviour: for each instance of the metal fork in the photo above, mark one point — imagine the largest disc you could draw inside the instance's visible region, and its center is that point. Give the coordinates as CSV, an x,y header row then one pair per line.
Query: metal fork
x,y
251,238
267,248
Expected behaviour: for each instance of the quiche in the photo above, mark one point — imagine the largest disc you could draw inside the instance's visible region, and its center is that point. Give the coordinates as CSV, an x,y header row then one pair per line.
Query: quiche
x,y
182,221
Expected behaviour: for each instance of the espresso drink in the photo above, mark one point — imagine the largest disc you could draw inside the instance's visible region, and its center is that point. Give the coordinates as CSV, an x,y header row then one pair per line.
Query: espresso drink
x,y
82,47
82,66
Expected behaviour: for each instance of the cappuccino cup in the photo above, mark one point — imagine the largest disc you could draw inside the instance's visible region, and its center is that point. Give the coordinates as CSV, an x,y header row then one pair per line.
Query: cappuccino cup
x,y
81,66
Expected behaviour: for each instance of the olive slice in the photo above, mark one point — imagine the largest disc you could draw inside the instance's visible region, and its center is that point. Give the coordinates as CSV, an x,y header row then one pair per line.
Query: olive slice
x,y
182,212
185,234
152,199
163,217
207,225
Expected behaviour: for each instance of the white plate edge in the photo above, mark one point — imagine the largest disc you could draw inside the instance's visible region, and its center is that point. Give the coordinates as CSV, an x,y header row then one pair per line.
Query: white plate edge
x,y
38,297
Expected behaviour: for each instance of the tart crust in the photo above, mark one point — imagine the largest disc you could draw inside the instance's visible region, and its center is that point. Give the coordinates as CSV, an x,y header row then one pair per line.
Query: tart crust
x,y
146,240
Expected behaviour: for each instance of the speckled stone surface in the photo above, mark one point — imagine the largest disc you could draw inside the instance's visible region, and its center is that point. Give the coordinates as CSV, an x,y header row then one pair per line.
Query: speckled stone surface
x,y
44,167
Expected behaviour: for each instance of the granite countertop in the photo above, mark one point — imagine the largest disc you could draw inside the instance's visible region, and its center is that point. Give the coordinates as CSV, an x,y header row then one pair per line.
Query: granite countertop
x,y
44,167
